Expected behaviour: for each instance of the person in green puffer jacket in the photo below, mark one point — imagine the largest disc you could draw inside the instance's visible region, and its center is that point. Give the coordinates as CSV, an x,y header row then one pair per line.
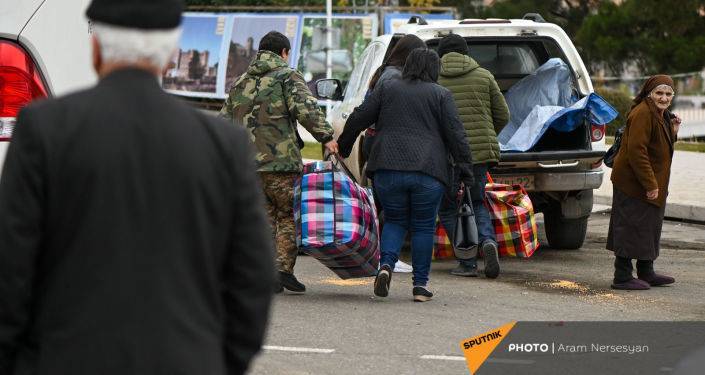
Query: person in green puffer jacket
x,y
484,113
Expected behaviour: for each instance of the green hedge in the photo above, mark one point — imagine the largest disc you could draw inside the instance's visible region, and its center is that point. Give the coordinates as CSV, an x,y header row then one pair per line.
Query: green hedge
x,y
621,101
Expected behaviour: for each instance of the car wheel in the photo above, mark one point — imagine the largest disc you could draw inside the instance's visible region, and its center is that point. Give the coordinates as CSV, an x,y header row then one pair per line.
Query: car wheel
x,y
565,233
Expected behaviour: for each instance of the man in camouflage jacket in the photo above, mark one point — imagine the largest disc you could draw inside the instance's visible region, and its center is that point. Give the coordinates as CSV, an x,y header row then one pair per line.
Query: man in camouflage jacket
x,y
268,100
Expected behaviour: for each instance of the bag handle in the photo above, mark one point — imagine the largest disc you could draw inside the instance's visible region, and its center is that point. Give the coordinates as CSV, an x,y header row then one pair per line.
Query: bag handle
x,y
489,178
466,201
335,160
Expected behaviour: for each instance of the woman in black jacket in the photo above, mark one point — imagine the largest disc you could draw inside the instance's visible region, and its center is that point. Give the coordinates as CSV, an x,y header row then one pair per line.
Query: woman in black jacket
x,y
417,127
390,69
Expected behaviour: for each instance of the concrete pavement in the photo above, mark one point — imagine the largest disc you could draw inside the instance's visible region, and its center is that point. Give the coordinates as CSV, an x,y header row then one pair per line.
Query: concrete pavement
x,y
340,327
686,199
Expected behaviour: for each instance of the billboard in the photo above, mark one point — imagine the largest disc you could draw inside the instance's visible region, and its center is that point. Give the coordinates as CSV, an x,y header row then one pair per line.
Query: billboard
x,y
351,34
245,34
194,68
215,49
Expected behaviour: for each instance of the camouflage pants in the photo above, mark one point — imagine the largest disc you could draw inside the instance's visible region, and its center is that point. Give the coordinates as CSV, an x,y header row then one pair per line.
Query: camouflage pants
x,y
279,193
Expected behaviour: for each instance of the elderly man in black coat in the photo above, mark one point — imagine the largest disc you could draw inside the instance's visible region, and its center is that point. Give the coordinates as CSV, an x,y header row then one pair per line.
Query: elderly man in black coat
x,y
133,238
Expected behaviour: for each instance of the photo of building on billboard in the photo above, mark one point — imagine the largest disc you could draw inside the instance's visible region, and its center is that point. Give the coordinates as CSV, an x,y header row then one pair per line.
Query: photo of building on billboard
x,y
351,34
194,67
247,31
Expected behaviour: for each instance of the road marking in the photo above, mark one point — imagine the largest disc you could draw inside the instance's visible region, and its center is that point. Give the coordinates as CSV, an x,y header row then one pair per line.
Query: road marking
x,y
297,349
444,357
493,360
511,361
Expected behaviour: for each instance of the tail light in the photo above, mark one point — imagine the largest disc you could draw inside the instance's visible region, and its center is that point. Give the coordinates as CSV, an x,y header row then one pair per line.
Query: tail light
x,y
20,83
597,132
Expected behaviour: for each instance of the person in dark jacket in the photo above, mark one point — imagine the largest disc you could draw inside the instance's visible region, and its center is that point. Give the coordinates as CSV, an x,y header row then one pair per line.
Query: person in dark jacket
x,y
133,238
640,176
390,69
484,113
418,126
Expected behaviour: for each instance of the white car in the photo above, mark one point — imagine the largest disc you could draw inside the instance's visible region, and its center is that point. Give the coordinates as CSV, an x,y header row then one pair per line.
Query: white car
x,y
562,170
44,51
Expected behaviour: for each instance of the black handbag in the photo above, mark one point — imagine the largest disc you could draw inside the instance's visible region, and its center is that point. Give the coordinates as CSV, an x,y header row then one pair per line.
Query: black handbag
x,y
465,240
611,153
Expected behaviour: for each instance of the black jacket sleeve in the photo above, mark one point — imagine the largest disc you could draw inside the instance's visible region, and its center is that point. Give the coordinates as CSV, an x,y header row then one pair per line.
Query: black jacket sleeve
x,y
455,138
21,215
249,273
362,118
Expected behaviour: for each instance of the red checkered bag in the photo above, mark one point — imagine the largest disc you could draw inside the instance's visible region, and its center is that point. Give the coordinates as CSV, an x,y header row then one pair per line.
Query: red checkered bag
x,y
513,219
442,247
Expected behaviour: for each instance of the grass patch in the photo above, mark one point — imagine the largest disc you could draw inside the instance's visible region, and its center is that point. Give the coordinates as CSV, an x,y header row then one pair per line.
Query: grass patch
x,y
691,146
680,145
312,150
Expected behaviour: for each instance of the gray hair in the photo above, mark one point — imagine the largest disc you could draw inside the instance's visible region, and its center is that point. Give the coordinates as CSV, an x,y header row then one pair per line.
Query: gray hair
x,y
127,45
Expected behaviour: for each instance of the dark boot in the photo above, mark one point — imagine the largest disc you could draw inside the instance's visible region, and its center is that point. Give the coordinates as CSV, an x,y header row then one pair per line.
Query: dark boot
x,y
623,279
633,284
289,281
622,270
645,272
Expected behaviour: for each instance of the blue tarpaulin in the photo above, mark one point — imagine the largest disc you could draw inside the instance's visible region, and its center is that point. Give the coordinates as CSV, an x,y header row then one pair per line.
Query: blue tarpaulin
x,y
549,85
543,100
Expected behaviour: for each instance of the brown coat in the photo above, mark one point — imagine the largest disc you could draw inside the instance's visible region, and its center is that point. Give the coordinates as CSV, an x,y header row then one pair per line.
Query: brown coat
x,y
643,162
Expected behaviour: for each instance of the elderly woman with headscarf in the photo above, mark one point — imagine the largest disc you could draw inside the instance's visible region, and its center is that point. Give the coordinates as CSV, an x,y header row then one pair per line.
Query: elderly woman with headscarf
x,y
640,176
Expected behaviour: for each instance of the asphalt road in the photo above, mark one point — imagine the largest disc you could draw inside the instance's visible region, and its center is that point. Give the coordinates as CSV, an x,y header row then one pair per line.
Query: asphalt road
x,y
339,327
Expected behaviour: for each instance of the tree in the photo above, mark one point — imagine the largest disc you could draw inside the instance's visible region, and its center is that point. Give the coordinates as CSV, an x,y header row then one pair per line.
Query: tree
x,y
659,37
195,69
568,14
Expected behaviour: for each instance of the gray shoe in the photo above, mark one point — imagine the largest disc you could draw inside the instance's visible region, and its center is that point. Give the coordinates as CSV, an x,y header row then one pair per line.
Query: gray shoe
x,y
491,254
464,270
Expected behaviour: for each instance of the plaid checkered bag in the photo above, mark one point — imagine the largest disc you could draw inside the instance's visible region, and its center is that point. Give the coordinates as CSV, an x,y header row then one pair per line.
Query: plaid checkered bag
x,y
336,220
442,247
513,219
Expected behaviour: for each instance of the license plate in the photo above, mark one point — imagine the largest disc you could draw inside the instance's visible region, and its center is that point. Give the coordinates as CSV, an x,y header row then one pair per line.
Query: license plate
x,y
525,181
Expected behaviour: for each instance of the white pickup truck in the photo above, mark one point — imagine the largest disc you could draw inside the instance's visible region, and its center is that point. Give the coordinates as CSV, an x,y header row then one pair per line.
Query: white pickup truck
x,y
562,169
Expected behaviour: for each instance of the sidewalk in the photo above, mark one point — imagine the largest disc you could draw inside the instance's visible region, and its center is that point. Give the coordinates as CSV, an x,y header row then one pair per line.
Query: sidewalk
x,y
686,199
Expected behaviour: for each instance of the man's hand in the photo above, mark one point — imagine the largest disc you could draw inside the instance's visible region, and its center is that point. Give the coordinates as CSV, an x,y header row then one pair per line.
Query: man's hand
x,y
332,147
652,194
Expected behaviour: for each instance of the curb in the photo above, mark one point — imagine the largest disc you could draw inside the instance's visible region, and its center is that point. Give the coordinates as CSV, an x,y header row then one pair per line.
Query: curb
x,y
673,210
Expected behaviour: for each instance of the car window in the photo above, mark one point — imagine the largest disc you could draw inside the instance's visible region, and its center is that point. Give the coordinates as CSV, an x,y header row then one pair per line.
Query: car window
x,y
373,62
357,86
505,59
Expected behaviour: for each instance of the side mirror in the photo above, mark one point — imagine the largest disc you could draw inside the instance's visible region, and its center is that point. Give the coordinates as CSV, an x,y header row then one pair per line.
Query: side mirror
x,y
329,88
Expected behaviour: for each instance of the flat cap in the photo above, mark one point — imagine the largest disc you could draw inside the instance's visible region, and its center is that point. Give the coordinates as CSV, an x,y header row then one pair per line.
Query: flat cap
x,y
137,14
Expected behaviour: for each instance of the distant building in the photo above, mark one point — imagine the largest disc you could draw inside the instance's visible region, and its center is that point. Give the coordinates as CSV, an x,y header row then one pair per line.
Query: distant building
x,y
183,60
239,58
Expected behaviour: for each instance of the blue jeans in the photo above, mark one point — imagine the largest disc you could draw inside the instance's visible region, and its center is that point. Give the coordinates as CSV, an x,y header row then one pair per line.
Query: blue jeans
x,y
410,201
449,209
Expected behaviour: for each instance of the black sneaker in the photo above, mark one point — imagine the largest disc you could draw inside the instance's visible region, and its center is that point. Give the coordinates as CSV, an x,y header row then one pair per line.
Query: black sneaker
x,y
289,282
382,281
464,270
421,294
491,253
